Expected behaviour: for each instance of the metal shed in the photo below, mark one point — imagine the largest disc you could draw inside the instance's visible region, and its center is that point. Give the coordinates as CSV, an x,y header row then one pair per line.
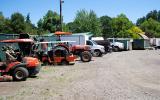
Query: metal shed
x,y
141,44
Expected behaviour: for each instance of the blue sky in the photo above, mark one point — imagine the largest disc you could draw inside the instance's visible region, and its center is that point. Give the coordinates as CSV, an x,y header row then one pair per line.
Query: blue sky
x,y
38,8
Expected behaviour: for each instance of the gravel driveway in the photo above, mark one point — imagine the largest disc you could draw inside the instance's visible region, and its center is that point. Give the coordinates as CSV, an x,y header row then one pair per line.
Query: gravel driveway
x,y
128,75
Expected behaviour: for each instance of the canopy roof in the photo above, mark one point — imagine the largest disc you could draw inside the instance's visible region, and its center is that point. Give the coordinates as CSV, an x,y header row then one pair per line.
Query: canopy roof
x,y
17,41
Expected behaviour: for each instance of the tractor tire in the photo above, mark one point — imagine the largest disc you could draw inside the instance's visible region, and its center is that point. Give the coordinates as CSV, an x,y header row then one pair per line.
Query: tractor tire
x,y
72,64
20,74
97,53
45,63
86,56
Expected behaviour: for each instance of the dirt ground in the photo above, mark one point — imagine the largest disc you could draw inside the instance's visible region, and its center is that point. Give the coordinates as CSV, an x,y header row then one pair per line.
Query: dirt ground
x,y
128,75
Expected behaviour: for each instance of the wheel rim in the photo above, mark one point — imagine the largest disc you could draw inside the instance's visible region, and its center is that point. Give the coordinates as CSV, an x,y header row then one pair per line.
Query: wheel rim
x,y
96,53
85,57
19,75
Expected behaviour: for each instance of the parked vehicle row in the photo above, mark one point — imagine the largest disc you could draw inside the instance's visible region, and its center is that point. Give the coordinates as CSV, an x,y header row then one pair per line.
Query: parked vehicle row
x,y
110,45
25,60
96,50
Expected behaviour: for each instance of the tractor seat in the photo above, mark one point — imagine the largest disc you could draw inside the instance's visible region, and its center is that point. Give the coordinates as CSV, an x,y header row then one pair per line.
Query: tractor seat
x,y
2,65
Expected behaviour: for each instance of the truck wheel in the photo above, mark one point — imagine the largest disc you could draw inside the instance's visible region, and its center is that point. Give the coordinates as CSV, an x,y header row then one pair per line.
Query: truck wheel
x,y
116,49
20,74
86,56
97,53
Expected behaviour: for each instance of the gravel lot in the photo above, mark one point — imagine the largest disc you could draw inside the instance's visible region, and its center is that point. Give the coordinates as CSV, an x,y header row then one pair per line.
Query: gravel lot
x,y
128,75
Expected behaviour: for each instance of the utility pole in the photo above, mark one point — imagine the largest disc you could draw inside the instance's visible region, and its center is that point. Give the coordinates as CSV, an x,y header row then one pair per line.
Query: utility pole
x,y
61,19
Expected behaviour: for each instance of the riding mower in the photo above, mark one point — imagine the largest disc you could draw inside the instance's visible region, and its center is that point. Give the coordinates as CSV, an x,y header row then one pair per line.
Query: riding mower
x,y
16,65
58,55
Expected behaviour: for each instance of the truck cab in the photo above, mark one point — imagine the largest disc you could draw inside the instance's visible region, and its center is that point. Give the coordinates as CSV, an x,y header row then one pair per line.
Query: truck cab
x,y
96,50
116,46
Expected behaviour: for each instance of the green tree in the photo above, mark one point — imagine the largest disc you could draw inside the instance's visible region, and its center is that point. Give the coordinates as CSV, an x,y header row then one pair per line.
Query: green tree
x,y
40,27
65,28
86,22
159,16
150,24
29,27
134,32
17,23
2,22
140,21
106,26
151,28
71,26
50,22
152,14
120,25
28,18
7,26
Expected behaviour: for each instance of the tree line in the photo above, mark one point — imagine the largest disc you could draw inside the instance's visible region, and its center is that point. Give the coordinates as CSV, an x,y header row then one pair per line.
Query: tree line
x,y
85,21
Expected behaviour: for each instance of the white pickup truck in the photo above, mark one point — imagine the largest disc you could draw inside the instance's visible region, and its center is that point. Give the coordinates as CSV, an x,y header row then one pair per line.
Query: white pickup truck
x,y
97,50
116,46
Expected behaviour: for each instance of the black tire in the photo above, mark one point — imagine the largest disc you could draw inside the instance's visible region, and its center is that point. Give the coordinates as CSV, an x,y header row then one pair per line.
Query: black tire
x,y
64,62
20,74
116,49
72,64
86,56
45,63
97,53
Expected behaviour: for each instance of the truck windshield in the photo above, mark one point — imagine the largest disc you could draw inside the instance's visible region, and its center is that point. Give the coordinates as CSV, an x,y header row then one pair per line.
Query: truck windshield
x,y
89,43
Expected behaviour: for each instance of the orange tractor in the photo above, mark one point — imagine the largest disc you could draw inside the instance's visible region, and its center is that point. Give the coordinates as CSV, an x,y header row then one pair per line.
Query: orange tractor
x,y
62,52
83,51
59,54
15,65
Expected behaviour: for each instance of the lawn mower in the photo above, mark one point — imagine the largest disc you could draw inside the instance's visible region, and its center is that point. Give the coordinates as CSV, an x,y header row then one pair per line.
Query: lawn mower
x,y
59,54
17,65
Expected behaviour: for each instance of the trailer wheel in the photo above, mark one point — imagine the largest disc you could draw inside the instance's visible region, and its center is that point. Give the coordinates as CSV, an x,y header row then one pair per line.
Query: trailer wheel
x,y
86,56
20,74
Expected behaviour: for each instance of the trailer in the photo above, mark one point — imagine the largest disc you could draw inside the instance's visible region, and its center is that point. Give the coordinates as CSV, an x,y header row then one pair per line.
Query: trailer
x,y
155,42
